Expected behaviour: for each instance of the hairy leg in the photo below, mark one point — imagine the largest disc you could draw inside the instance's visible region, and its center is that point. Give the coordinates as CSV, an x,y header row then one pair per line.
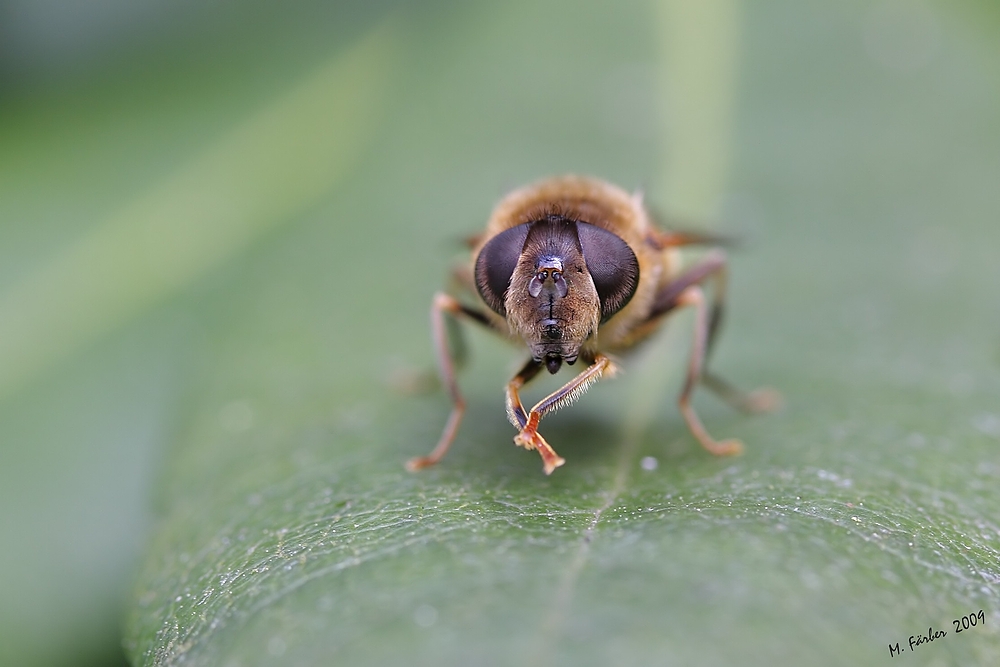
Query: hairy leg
x,y
527,422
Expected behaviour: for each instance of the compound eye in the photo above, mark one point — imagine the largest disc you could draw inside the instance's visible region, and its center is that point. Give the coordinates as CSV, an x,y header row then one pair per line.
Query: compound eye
x,y
496,263
611,264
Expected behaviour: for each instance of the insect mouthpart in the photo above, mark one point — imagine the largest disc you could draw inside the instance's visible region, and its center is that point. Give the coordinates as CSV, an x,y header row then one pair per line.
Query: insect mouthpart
x,y
552,363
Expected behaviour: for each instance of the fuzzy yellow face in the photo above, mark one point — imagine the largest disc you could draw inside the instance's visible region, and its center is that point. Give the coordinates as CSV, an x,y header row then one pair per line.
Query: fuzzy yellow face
x,y
554,280
552,302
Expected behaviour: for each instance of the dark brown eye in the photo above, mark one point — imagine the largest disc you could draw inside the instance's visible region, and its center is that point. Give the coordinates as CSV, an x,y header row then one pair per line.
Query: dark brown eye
x,y
495,265
611,264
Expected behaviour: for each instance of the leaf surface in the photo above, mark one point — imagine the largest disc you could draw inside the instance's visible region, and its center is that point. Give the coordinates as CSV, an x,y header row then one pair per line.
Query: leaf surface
x,y
862,514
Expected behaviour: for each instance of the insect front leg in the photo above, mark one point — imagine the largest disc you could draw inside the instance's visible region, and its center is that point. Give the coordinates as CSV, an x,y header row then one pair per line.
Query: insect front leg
x,y
686,291
444,305
527,422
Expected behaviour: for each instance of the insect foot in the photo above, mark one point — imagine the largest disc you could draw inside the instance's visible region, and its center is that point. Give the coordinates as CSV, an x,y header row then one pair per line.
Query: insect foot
x,y
532,439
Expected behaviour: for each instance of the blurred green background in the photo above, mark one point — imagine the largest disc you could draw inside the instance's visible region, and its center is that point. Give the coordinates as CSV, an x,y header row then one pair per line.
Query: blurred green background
x,y
220,228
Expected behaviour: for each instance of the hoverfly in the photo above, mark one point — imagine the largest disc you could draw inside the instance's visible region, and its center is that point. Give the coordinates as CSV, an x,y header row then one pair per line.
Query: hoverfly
x,y
575,269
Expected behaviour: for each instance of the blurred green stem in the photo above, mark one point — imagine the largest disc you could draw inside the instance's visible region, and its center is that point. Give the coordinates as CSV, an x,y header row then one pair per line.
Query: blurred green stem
x,y
699,48
275,164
